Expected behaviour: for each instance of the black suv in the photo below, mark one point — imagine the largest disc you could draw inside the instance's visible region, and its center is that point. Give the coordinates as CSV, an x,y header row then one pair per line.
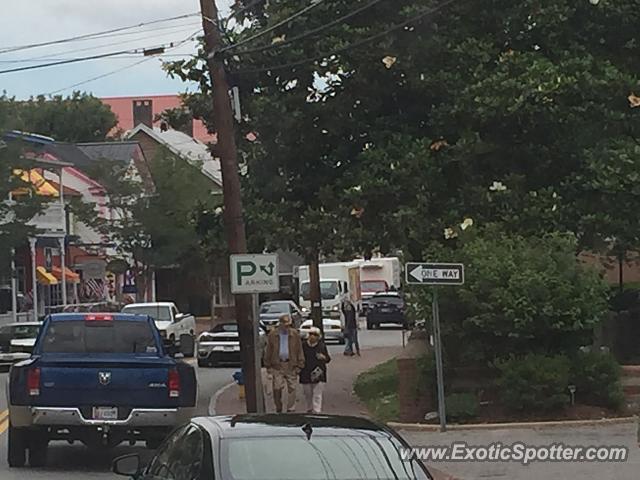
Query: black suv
x,y
386,308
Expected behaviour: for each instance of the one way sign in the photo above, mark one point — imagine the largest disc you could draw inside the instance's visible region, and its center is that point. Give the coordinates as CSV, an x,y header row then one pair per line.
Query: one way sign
x,y
434,273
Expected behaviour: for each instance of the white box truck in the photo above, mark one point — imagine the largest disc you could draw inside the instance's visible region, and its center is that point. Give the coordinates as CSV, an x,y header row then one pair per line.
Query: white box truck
x,y
337,281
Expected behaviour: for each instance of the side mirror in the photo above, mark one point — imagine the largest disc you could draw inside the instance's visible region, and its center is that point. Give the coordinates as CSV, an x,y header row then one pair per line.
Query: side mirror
x,y
178,317
127,466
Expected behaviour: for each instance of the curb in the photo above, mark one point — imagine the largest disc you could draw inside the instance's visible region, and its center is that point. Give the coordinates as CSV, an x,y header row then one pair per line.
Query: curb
x,y
419,427
216,396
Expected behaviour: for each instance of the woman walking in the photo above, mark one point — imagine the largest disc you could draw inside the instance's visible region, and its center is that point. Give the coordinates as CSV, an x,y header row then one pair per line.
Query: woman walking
x,y
314,374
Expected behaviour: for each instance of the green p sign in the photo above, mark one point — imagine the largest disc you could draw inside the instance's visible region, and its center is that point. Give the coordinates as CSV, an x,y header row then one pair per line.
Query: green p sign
x,y
254,273
245,269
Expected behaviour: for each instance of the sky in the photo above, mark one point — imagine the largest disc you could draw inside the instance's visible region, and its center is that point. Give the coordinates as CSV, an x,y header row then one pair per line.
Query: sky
x,y
34,21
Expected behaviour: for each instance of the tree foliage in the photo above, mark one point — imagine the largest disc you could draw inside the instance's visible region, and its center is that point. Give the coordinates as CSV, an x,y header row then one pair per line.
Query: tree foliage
x,y
79,117
532,95
521,294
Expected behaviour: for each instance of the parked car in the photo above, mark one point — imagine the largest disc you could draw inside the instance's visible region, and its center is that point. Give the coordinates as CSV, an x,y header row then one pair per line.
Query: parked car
x,y
332,330
386,308
221,345
172,324
17,341
270,312
311,446
101,379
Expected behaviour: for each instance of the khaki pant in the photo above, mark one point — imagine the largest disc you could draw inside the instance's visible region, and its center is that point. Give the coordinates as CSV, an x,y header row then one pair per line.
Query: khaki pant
x,y
285,375
313,396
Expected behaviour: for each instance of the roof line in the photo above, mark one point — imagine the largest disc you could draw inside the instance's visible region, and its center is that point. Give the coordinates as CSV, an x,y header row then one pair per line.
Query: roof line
x,y
158,138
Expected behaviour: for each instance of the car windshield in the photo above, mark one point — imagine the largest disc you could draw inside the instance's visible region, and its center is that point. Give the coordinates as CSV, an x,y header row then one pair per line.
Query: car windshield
x,y
17,332
388,299
159,313
320,458
79,336
373,286
225,327
274,308
328,290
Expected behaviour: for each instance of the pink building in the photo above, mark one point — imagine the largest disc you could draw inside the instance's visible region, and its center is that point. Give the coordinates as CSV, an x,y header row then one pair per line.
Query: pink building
x,y
133,111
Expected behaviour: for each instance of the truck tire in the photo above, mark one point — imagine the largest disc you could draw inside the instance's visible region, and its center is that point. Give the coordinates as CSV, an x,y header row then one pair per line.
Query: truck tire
x,y
17,448
188,342
38,452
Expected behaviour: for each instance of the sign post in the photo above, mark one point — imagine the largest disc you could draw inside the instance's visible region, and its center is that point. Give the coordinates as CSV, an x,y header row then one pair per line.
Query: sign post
x,y
255,274
436,274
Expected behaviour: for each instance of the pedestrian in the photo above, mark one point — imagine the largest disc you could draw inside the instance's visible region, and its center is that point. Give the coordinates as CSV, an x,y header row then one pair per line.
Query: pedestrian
x,y
351,328
284,360
314,374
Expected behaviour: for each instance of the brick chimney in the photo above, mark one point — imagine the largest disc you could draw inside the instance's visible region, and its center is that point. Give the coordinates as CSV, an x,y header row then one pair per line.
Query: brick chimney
x,y
143,113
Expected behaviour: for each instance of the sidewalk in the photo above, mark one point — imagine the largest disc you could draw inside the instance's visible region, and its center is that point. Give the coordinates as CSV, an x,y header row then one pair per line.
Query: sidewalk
x,y
339,398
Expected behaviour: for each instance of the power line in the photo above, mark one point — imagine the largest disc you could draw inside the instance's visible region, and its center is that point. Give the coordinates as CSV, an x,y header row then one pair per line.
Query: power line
x,y
96,34
351,46
54,56
309,33
121,69
299,13
80,59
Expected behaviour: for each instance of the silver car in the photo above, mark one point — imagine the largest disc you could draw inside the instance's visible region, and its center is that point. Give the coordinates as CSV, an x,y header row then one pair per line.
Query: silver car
x,y
17,341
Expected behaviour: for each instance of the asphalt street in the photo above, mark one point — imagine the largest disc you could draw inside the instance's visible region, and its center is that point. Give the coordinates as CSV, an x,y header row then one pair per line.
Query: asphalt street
x,y
71,462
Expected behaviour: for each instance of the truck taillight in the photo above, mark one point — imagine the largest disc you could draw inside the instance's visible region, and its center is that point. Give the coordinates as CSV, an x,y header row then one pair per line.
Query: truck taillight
x,y
33,382
174,383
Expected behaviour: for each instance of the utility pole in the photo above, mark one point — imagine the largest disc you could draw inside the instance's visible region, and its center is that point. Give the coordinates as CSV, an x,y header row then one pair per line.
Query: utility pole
x,y
315,293
233,218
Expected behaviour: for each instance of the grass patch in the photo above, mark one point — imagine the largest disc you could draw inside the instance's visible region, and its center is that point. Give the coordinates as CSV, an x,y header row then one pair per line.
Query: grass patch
x,y
377,388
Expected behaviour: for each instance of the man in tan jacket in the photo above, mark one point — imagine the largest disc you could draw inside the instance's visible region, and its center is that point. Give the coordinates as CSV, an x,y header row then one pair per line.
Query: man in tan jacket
x,y
284,360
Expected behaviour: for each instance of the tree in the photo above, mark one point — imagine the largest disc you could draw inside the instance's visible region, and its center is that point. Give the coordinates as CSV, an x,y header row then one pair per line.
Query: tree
x,y
20,202
78,118
521,295
502,95
153,226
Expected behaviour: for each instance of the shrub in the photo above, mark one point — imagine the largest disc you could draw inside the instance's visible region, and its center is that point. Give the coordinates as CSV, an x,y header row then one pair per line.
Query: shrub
x,y
521,294
596,376
535,383
461,407
377,382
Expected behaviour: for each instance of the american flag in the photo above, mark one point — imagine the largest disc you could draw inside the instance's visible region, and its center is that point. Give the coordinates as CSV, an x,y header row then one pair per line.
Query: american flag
x,y
94,289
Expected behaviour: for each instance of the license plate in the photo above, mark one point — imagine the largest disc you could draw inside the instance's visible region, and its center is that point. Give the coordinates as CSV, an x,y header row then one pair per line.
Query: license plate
x,y
105,413
229,349
385,310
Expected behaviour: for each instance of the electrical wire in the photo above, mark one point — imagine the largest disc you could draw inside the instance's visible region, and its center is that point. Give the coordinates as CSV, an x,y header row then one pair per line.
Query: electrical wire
x,y
67,61
309,33
121,69
94,35
297,14
54,56
351,46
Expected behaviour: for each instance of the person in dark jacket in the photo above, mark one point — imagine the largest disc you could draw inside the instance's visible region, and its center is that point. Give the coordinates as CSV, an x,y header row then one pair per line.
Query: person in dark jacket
x,y
314,374
350,328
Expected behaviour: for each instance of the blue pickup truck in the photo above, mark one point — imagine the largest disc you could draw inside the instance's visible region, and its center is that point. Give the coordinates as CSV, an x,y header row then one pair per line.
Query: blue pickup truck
x,y
100,379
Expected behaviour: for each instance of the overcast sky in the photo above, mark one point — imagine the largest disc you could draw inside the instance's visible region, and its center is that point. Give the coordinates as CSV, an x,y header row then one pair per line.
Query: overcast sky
x,y
34,21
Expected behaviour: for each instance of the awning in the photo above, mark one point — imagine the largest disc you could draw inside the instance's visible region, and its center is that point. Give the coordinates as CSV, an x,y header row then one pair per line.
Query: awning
x,y
71,277
35,178
45,277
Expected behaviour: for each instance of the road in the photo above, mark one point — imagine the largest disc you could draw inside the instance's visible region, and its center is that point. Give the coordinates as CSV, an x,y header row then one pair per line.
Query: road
x,y
75,462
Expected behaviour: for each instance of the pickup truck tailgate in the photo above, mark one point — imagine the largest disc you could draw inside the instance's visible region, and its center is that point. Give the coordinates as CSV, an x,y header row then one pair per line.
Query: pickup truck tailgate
x,y
89,362
104,381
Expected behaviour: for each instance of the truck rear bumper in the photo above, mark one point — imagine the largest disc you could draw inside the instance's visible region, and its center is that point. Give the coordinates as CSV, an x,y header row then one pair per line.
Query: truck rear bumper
x,y
73,417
